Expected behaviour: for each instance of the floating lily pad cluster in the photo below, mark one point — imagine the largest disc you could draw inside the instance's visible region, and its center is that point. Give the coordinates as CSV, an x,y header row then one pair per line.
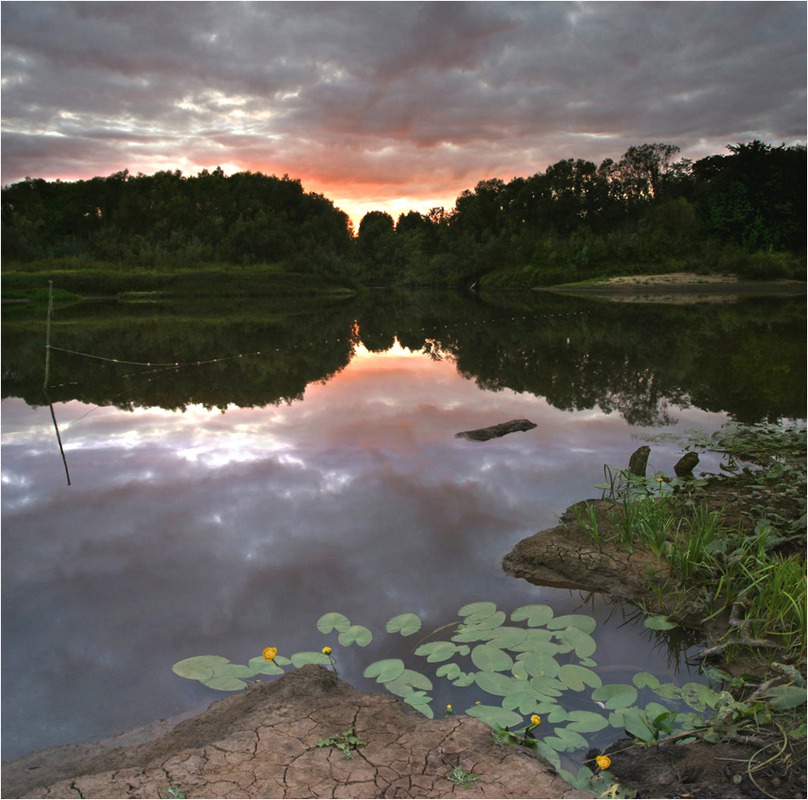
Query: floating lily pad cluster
x,y
528,663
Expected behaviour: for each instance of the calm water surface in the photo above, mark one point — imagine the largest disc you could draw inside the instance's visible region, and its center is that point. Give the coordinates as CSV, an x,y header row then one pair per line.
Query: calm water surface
x,y
223,507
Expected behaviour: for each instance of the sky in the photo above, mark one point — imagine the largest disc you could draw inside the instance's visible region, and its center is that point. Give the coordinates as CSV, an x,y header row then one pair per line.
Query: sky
x,y
389,106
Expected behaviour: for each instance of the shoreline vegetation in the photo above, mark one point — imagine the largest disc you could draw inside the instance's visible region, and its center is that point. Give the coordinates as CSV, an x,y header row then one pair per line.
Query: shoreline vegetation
x,y
249,234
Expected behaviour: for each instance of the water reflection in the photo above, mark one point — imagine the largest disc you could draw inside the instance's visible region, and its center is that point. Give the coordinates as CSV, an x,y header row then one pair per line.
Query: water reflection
x,y
196,531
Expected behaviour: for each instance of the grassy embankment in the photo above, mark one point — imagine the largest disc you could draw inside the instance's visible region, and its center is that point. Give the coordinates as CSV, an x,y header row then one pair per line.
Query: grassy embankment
x,y
30,281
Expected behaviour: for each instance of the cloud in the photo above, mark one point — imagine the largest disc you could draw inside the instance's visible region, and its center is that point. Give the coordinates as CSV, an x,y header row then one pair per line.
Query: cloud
x,y
369,102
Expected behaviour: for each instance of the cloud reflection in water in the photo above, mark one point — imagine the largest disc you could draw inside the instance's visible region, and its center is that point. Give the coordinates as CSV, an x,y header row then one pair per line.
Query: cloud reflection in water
x,y
202,532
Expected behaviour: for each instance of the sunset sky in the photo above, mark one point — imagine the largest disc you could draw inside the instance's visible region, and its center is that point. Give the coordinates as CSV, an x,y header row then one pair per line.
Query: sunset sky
x,y
391,106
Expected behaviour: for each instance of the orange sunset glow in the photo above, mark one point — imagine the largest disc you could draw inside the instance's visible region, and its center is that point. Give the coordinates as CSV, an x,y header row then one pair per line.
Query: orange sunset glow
x,y
388,106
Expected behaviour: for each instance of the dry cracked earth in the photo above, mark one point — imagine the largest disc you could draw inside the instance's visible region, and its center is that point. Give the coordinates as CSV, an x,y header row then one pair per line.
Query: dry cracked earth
x,y
262,742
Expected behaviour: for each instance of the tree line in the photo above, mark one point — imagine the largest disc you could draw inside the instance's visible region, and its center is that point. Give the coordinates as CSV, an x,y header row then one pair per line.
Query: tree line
x,y
743,211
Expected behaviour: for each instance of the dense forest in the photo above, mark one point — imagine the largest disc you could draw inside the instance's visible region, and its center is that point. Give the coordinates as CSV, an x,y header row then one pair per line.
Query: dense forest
x,y
741,212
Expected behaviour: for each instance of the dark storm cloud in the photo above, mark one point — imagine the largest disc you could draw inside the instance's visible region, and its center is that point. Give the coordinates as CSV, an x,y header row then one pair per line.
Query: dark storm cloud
x,y
370,100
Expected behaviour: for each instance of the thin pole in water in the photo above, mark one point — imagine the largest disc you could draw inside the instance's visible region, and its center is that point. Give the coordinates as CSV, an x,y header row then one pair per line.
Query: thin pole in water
x,y
47,376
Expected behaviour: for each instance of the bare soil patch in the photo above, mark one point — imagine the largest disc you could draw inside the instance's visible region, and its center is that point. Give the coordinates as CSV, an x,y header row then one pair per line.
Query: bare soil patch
x,y
262,742
680,288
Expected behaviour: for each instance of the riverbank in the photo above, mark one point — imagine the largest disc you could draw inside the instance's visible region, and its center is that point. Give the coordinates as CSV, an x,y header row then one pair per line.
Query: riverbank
x,y
678,288
267,741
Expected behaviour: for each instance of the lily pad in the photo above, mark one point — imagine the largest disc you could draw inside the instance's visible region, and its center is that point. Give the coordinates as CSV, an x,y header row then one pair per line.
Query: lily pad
x,y
464,679
388,669
405,624
199,668
579,621
615,695
576,677
535,615
659,622
333,621
436,651
495,715
356,634
539,665
586,722
507,637
474,612
310,657
260,666
492,659
420,702
225,683
645,679
449,671
497,684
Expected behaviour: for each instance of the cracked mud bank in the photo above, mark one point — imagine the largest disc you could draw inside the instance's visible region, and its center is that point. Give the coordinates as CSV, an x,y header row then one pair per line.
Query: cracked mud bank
x,y
262,742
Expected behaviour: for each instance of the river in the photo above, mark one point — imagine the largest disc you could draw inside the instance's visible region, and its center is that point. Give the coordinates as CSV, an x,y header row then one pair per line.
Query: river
x,y
237,471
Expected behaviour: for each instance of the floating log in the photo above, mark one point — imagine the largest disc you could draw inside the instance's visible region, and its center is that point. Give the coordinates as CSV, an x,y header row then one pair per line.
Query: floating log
x,y
495,431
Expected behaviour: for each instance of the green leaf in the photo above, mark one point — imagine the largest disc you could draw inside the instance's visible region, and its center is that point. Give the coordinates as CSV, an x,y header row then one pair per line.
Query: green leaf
x,y
575,639
535,615
415,679
537,640
643,679
659,622
260,666
478,611
785,697
579,621
634,722
489,623
356,634
225,683
526,700
576,677
496,683
539,665
420,701
490,659
464,679
573,739
547,686
698,696
507,637
449,671
333,621
587,722
388,669
198,668
309,657
405,624
436,651
615,695
495,715
548,753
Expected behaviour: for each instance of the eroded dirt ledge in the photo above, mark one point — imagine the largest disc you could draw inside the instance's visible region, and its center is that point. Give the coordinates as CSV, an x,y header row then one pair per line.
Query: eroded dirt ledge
x,y
262,743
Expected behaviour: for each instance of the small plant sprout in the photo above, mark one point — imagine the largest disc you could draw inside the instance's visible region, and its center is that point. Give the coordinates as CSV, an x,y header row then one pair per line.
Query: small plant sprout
x,y
460,777
346,742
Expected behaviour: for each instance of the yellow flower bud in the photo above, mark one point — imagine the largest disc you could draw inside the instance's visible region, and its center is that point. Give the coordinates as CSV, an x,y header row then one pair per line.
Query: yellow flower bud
x,y
270,653
604,762
535,720
327,650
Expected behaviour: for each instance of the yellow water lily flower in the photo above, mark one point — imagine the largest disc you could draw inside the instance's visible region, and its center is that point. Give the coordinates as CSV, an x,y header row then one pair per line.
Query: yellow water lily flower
x,y
604,762
327,650
270,653
535,720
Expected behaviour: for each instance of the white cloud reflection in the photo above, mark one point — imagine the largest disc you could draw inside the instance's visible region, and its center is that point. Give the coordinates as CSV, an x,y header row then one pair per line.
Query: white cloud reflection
x,y
196,532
